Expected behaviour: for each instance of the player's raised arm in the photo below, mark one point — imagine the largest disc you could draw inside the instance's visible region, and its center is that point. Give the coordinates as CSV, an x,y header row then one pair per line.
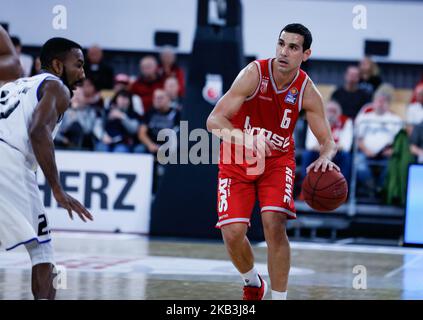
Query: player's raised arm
x,y
10,66
319,125
55,99
244,85
219,122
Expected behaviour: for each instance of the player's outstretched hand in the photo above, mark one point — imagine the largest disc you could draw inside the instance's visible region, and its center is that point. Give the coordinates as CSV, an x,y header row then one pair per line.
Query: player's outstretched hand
x,y
324,163
71,204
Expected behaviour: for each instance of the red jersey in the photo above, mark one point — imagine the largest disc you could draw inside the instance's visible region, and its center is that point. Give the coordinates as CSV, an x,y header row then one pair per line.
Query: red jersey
x,y
273,112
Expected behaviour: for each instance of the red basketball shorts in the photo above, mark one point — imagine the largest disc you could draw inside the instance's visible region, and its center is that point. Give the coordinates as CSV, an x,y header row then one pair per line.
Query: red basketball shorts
x,y
237,191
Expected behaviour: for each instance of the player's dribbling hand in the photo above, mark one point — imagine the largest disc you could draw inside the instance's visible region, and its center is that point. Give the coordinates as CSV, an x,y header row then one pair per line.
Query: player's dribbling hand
x,y
324,163
71,204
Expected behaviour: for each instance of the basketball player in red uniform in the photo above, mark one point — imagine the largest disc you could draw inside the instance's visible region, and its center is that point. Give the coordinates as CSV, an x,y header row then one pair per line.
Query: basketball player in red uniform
x,y
10,67
259,112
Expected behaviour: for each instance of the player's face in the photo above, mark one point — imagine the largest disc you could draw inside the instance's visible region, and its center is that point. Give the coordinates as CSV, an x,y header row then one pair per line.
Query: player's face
x,y
73,68
289,51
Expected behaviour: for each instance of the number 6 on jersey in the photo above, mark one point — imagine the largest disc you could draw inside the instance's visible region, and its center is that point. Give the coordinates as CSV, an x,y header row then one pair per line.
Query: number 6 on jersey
x,y
286,120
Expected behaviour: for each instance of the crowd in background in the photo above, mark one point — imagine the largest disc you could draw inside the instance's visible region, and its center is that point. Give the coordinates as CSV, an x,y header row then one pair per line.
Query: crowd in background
x,y
365,128
127,118
372,138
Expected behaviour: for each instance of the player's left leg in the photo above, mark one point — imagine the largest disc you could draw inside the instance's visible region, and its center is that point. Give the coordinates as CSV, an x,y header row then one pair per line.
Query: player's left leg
x,y
43,274
42,281
275,192
278,251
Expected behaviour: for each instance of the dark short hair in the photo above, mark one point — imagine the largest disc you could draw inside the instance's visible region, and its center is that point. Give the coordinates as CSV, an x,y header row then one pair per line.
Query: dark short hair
x,y
16,41
123,93
56,48
298,28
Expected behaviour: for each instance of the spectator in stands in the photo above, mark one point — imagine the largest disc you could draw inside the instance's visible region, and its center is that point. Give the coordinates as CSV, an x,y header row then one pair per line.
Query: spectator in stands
x,y
81,126
342,132
91,95
91,100
350,96
415,110
376,131
36,67
169,68
416,142
97,70
148,81
123,82
369,76
161,116
171,86
25,59
414,96
121,125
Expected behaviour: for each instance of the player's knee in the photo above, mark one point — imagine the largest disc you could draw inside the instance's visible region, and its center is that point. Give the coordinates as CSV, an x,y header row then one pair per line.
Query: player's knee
x,y
275,231
274,221
40,252
234,234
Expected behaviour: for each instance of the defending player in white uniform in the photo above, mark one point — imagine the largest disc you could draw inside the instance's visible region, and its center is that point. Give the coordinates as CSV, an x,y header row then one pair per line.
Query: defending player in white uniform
x,y
30,112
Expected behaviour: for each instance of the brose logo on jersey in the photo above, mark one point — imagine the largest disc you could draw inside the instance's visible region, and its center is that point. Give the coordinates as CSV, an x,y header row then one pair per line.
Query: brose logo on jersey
x,y
278,141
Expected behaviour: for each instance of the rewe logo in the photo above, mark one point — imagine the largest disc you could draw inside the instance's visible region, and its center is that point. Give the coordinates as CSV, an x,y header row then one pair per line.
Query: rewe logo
x,y
223,194
277,140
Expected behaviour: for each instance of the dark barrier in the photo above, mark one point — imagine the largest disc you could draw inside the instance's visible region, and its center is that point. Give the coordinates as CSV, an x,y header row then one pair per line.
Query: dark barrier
x,y
185,204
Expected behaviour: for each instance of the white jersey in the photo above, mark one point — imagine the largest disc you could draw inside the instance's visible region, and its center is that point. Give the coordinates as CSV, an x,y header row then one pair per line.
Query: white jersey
x,y
18,100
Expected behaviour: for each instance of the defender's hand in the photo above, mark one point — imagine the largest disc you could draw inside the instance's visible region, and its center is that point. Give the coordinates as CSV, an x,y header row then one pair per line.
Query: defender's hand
x,y
71,204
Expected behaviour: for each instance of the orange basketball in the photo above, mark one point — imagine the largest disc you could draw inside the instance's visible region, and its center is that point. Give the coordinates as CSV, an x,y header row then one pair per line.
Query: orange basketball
x,y
324,191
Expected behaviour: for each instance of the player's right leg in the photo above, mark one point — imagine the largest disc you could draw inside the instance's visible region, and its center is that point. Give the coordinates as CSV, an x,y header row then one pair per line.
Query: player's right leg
x,y
42,281
236,198
238,246
22,218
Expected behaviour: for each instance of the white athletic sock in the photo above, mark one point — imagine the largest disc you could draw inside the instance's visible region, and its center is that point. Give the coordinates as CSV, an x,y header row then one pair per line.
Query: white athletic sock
x,y
278,295
251,278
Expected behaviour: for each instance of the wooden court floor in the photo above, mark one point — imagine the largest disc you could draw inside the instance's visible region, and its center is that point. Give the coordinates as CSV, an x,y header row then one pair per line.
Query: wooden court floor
x,y
118,266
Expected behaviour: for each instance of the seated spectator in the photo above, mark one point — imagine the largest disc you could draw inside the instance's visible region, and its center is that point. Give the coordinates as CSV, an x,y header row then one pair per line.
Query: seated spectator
x,y
171,86
91,95
169,68
97,70
81,125
350,96
416,142
376,131
342,132
36,67
123,82
25,59
161,116
415,110
414,96
148,81
369,76
387,90
121,125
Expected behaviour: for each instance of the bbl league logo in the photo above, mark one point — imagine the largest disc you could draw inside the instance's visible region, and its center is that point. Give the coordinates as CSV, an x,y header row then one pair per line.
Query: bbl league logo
x,y
291,97
212,90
